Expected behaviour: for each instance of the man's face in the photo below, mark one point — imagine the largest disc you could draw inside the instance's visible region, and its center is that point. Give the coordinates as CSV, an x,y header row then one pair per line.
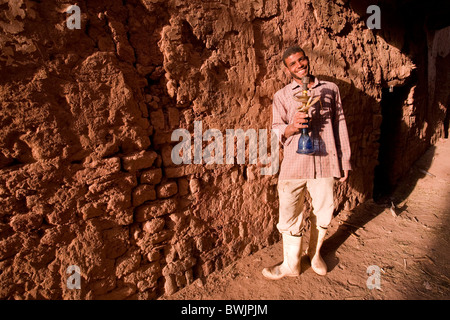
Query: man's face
x,y
298,65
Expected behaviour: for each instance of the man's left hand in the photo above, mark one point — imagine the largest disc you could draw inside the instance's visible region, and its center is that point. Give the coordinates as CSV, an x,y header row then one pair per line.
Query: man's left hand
x,y
344,178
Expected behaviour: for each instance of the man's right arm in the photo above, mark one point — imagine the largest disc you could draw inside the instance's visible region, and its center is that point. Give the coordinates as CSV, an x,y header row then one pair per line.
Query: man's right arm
x,y
280,122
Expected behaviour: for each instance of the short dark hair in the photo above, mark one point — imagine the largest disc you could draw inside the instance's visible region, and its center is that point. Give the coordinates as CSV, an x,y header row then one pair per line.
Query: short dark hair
x,y
290,51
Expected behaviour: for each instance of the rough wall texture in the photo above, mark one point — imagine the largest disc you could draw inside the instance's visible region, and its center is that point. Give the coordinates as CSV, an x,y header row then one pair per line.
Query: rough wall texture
x,y
86,176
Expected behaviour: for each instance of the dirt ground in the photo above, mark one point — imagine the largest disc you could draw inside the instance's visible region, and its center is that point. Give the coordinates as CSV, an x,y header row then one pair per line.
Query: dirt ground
x,y
408,246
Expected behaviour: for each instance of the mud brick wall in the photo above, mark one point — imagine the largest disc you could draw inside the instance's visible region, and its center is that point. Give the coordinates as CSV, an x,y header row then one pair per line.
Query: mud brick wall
x,y
86,118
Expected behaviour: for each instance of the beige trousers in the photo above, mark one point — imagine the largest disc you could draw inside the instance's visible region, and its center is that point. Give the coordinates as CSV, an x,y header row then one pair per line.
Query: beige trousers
x,y
292,199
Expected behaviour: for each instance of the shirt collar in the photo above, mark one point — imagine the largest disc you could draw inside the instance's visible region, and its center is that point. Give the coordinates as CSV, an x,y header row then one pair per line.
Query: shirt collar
x,y
295,85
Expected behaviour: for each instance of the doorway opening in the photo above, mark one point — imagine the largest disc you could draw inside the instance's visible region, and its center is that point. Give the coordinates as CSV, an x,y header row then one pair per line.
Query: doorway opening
x,y
392,100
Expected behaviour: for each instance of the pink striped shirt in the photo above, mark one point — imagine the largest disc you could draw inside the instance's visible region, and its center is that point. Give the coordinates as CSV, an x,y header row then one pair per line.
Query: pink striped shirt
x,y
327,129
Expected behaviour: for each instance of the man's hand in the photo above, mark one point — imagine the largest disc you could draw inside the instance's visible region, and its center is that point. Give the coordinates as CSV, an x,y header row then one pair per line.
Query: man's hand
x,y
344,178
300,120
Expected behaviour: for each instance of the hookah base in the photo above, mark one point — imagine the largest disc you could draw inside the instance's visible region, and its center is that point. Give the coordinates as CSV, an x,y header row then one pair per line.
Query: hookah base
x,y
310,152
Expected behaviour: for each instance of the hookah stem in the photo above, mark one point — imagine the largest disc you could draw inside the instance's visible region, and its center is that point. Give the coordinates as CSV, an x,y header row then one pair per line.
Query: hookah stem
x,y
305,81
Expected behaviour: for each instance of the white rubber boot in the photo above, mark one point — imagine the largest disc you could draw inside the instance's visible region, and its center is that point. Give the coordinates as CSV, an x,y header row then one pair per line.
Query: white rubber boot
x,y
316,238
290,267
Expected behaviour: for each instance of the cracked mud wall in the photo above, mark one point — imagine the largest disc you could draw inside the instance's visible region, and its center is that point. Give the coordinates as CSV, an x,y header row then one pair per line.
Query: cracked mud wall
x,y
87,116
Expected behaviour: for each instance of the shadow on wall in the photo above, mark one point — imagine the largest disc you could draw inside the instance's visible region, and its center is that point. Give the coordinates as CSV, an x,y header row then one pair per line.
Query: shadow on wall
x,y
360,110
403,22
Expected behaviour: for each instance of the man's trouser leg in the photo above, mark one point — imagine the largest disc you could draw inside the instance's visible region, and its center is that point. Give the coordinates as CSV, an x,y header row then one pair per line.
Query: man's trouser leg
x,y
321,191
290,224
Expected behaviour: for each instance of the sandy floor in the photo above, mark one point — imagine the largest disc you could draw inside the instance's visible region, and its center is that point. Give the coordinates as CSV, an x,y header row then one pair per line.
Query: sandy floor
x,y
410,249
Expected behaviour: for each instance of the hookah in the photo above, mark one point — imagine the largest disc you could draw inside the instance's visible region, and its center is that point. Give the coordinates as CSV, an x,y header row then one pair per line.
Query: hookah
x,y
305,145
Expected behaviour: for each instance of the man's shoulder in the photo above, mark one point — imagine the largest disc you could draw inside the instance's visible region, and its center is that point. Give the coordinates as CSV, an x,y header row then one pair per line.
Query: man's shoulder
x,y
329,84
285,90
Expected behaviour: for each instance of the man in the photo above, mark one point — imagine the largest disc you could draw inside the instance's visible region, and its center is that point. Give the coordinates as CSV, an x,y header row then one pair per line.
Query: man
x,y
300,172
